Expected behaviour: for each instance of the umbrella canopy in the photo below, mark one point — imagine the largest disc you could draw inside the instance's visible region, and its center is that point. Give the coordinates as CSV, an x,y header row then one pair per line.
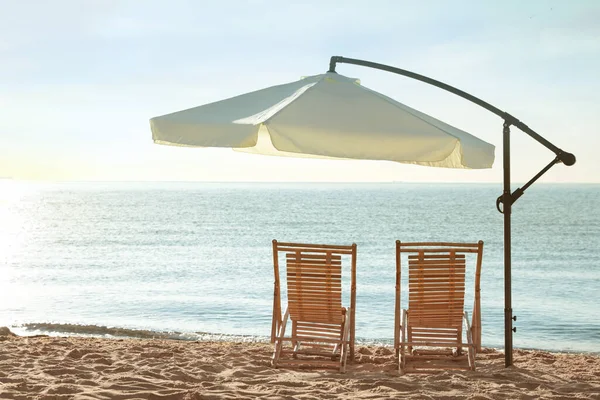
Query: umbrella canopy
x,y
324,116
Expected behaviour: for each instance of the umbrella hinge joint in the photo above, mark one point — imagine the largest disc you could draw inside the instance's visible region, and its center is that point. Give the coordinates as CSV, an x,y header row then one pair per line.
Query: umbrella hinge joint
x,y
508,198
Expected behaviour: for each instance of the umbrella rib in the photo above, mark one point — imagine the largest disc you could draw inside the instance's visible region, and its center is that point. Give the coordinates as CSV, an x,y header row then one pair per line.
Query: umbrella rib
x,y
297,97
409,111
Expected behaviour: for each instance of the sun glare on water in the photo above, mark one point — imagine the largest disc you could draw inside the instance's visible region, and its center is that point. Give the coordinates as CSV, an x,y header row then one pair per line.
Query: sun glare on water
x,y
12,229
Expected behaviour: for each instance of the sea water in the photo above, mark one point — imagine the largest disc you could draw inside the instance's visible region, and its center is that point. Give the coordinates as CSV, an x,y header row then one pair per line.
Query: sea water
x,y
192,260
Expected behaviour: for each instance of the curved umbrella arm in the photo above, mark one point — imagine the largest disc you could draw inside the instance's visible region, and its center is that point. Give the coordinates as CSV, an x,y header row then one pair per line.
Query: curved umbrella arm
x,y
563,156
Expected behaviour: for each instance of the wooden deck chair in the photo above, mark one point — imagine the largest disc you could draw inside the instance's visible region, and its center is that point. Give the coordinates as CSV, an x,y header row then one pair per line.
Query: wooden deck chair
x,y
429,334
321,327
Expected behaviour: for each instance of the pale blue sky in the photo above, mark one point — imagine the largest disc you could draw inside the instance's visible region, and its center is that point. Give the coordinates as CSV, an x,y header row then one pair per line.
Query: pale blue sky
x,y
79,80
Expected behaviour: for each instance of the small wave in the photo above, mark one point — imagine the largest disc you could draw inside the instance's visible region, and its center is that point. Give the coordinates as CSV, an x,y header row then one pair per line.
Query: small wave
x,y
53,329
57,329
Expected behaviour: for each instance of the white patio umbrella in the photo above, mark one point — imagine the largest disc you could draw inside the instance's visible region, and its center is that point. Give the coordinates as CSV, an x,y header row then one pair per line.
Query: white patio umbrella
x,y
324,116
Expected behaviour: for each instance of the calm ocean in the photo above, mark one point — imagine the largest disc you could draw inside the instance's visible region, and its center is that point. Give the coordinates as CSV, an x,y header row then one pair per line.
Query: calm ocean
x,y
196,257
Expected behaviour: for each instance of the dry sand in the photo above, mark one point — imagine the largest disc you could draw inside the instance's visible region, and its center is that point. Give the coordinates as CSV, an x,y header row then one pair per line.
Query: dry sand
x,y
91,368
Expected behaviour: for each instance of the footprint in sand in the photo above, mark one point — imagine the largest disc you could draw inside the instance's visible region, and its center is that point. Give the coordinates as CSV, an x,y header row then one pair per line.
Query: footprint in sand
x,y
167,394
120,369
68,371
97,358
383,351
157,354
64,389
77,353
207,385
87,382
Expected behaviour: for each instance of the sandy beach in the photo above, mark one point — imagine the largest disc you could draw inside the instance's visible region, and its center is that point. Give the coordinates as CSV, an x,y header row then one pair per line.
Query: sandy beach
x,y
94,368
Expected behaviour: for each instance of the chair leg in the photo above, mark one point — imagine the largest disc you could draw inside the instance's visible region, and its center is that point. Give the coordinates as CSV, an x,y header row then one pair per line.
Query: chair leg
x,y
350,334
279,340
296,349
336,348
294,342
344,346
409,338
343,353
403,337
470,342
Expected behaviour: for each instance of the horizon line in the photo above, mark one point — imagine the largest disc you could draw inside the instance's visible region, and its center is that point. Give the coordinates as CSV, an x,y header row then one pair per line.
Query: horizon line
x,y
286,182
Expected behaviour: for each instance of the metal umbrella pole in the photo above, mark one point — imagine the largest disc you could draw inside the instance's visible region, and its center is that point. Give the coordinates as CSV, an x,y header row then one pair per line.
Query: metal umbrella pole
x,y
507,199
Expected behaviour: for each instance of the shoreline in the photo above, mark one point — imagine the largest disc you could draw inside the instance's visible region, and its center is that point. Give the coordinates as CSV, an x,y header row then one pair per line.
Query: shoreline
x,y
52,367
110,332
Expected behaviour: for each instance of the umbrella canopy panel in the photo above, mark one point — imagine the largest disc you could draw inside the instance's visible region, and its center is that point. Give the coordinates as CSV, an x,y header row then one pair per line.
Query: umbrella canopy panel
x,y
325,116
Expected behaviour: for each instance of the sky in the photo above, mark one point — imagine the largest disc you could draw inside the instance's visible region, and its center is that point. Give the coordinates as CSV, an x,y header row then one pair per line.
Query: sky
x,y
80,79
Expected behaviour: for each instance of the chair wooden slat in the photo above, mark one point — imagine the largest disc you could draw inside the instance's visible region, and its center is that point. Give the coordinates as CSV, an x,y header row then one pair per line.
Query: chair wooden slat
x,y
328,247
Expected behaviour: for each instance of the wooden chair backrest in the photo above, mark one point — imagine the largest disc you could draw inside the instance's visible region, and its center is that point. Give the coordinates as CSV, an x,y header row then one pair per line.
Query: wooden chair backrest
x,y
436,289
314,286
